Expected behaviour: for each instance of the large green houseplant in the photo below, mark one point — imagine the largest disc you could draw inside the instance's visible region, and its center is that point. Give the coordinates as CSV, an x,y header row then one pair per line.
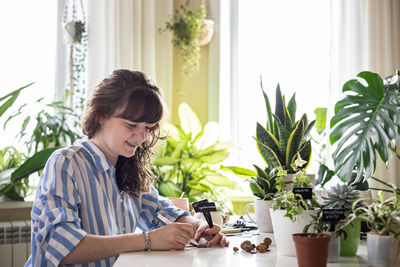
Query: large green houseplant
x,y
283,138
51,130
366,123
188,162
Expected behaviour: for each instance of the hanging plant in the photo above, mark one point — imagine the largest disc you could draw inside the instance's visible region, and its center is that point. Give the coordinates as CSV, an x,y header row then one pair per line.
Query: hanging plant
x,y
75,36
189,28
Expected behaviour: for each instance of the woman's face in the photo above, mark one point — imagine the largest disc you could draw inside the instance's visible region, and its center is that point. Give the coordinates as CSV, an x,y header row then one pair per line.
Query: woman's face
x,y
121,137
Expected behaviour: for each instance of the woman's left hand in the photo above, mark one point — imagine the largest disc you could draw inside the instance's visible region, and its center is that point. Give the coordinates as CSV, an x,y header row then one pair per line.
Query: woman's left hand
x,y
212,235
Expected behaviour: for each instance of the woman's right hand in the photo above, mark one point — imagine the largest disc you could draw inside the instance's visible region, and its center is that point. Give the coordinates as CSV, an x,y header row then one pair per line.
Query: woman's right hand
x,y
172,236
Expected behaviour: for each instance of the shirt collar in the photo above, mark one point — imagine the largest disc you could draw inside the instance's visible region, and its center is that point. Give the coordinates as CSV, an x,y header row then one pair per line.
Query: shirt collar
x,y
98,156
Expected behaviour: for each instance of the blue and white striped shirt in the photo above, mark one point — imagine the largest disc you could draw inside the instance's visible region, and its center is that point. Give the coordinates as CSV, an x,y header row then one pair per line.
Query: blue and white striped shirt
x,y
78,195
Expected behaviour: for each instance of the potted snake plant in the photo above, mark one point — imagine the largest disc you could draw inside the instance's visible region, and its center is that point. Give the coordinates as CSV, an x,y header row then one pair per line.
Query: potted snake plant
x,y
284,138
264,187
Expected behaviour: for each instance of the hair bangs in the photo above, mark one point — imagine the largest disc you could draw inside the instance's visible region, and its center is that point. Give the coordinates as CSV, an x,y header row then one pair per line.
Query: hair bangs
x,y
143,105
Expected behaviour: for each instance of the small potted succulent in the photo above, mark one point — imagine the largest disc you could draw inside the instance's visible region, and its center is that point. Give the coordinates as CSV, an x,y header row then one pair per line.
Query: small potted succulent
x,y
292,209
342,196
263,186
383,218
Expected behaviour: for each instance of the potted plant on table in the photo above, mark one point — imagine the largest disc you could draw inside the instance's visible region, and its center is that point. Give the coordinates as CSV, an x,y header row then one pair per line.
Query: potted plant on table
x,y
292,209
263,186
284,138
383,218
312,248
342,197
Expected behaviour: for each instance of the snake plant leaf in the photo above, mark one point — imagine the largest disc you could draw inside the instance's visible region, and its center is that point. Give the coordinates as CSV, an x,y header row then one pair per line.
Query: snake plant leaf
x,y
270,122
267,138
366,121
256,189
292,108
283,138
33,164
281,111
294,142
189,121
239,171
261,172
269,156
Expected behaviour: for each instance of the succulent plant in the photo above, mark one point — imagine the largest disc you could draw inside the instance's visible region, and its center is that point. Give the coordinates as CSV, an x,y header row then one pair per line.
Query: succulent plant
x,y
340,196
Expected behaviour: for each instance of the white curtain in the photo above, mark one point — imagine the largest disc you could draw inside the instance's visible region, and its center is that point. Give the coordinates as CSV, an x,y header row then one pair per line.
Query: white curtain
x,y
365,36
124,34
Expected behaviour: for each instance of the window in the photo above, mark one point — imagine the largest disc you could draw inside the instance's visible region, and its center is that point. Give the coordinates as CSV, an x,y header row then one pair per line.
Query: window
x,y
27,53
285,42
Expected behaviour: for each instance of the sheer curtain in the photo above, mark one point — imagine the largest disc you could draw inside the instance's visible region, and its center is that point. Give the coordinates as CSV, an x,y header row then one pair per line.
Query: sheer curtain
x,y
365,36
124,34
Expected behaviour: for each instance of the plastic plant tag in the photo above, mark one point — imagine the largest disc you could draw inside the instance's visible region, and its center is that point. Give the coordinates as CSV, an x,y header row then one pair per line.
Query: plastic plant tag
x,y
306,193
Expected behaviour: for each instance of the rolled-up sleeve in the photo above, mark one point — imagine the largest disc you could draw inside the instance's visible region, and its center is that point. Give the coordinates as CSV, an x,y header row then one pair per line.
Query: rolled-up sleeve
x,y
56,225
154,204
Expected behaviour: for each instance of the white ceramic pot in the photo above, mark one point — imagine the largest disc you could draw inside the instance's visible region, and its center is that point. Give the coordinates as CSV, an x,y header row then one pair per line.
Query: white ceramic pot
x,y
263,217
382,249
285,227
334,248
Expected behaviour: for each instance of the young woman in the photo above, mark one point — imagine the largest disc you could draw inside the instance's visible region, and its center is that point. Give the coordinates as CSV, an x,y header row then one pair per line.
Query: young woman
x,y
93,194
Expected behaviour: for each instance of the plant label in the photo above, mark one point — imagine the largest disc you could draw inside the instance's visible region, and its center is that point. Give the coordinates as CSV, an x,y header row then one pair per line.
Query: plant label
x,y
333,215
306,193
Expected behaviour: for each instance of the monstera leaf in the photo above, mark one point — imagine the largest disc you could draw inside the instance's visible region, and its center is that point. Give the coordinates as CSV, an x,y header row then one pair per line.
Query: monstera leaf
x,y
366,121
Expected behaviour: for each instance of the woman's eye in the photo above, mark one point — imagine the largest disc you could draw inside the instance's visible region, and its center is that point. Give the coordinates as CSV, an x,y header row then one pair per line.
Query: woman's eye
x,y
131,125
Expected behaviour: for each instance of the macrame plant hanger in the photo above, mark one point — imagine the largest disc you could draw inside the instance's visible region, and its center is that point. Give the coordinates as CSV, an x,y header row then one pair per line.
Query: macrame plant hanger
x,y
74,26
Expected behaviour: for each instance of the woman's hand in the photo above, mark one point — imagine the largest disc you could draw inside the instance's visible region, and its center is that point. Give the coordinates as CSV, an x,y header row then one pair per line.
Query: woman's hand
x,y
171,236
212,235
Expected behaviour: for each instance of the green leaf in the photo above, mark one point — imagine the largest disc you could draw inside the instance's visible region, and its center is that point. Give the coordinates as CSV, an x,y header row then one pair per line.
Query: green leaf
x,y
256,189
270,157
324,175
268,139
33,164
241,172
11,99
261,172
219,180
189,121
165,161
365,122
320,123
294,142
270,122
215,157
292,108
169,189
208,137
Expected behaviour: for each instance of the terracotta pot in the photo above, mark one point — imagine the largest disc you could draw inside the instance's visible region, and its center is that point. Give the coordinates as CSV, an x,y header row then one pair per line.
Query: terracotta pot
x,y
311,251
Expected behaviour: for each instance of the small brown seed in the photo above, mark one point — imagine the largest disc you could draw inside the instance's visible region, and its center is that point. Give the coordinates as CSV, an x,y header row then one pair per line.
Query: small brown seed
x,y
244,243
235,249
267,241
248,247
262,249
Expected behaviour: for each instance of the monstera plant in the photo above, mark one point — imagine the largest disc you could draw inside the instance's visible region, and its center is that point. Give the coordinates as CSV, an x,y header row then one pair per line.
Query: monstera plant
x,y
366,123
188,162
283,138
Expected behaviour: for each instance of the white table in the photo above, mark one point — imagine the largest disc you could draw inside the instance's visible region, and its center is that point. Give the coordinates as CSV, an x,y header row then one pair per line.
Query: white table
x,y
218,257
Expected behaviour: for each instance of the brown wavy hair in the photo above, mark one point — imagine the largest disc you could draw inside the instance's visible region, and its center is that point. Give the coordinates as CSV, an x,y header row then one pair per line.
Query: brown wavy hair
x,y
139,100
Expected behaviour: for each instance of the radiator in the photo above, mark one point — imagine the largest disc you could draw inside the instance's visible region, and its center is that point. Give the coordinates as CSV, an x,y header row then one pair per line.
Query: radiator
x,y
15,243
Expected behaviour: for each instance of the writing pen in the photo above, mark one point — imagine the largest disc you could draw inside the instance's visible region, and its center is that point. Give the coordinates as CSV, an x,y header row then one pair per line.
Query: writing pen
x,y
166,221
